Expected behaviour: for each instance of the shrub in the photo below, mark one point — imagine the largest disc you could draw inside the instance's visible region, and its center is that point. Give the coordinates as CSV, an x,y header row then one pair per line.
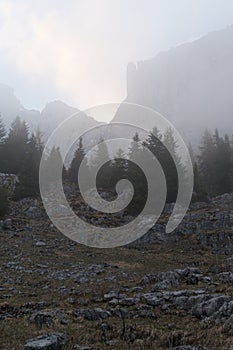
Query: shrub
x,y
4,204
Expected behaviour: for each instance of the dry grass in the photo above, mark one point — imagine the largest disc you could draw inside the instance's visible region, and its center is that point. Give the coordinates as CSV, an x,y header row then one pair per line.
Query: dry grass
x,y
167,330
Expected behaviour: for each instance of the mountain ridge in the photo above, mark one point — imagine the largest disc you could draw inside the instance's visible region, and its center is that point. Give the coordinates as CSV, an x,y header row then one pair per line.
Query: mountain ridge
x,y
54,113
190,84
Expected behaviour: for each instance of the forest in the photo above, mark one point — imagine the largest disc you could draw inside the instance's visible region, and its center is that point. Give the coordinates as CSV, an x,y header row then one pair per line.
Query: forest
x,y
21,152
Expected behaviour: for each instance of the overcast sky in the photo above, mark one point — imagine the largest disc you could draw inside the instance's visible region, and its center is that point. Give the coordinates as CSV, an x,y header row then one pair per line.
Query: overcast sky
x,y
78,50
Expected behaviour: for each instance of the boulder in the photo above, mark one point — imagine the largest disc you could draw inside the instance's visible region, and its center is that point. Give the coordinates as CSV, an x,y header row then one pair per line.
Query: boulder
x,y
226,277
42,318
209,307
51,341
93,314
33,213
224,313
7,224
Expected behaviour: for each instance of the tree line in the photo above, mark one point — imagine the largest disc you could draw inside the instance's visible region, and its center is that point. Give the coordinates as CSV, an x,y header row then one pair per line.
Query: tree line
x,y
21,152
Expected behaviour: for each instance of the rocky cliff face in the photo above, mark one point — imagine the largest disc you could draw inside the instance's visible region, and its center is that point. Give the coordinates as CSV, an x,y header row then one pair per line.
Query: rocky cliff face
x,y
191,84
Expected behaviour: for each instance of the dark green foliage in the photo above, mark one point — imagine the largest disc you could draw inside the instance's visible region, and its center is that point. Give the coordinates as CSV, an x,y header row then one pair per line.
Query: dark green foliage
x,y
2,131
215,164
123,167
212,166
223,165
2,140
119,167
103,178
28,185
52,164
137,177
196,187
4,204
135,148
14,148
76,162
156,144
73,171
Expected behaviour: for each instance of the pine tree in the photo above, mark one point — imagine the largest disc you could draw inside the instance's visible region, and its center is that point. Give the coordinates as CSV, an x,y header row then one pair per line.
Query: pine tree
x,y
206,163
223,165
135,148
15,147
156,144
215,164
28,185
196,187
4,202
2,131
136,155
136,176
2,140
79,156
102,162
191,153
118,168
171,163
197,192
52,164
120,161
101,154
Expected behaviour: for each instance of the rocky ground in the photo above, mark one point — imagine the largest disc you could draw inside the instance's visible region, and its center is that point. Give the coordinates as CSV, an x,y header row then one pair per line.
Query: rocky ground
x,y
163,292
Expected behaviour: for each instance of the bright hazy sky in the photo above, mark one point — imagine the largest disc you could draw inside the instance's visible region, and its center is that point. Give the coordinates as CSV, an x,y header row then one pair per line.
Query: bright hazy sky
x,y
78,50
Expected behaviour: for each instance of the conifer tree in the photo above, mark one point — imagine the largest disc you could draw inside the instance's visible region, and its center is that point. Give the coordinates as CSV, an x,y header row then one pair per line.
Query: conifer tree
x,y
135,148
28,185
4,202
136,176
79,156
119,164
155,143
2,140
171,164
2,131
215,164
206,160
15,147
102,162
53,163
223,165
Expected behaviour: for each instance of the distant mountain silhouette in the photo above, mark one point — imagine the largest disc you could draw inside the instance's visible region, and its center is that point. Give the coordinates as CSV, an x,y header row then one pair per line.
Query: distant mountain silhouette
x,y
47,120
56,112
192,85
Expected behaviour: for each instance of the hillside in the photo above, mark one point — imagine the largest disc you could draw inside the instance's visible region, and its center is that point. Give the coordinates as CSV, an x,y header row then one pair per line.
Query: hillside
x,y
163,293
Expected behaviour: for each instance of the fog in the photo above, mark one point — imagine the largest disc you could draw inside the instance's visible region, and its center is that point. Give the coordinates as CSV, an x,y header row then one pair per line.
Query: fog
x,y
78,52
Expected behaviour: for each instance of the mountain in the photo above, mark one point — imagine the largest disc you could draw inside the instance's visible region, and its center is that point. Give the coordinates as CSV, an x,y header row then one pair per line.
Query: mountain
x,y
47,120
56,112
192,85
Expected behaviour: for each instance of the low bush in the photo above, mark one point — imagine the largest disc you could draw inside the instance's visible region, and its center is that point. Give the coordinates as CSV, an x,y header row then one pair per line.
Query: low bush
x,y
4,204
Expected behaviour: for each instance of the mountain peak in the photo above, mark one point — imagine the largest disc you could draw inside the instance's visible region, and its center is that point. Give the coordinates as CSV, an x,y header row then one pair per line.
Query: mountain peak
x,y
191,84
